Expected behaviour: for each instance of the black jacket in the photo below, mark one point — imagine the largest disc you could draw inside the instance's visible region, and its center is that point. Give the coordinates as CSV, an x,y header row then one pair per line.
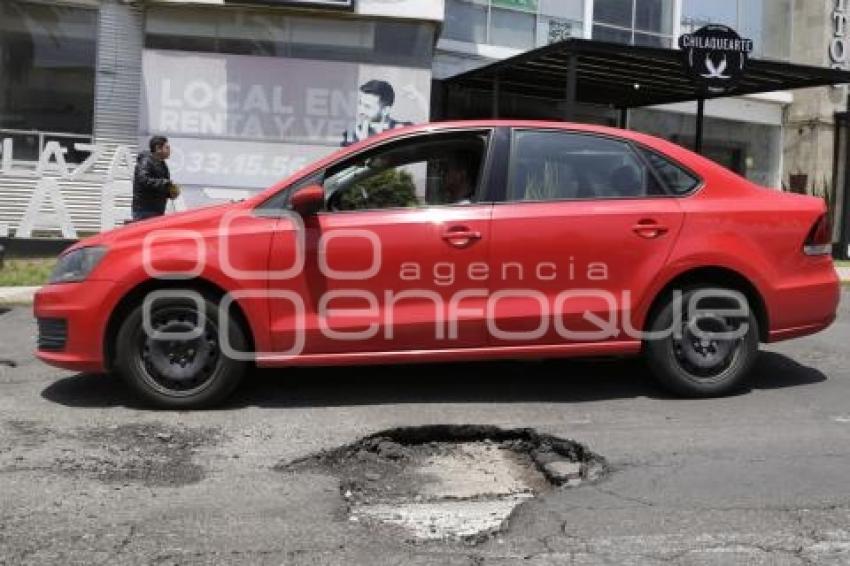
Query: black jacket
x,y
151,184
349,137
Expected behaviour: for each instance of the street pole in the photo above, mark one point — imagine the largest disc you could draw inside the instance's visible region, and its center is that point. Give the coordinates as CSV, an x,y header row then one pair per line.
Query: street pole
x,y
700,125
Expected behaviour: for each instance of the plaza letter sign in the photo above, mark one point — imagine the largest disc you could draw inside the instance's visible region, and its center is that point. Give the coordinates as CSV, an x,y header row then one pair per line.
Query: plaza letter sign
x,y
716,57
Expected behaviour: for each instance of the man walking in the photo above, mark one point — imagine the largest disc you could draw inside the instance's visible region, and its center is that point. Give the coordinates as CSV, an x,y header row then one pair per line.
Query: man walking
x,y
152,186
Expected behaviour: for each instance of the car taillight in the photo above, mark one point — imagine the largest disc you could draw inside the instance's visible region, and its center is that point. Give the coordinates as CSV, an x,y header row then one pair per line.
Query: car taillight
x,y
819,241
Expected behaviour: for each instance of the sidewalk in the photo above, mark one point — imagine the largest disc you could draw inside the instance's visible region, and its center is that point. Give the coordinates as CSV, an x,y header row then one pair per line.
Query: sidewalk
x,y
17,295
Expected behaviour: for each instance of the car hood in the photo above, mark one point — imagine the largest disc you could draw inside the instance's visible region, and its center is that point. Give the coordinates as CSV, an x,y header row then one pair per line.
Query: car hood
x,y
136,231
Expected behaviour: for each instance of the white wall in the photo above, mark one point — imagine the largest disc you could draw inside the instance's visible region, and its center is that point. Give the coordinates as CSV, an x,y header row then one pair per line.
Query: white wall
x,y
433,10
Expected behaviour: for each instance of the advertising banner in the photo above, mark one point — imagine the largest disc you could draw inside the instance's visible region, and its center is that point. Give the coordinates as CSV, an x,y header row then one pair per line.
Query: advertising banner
x,y
245,122
237,124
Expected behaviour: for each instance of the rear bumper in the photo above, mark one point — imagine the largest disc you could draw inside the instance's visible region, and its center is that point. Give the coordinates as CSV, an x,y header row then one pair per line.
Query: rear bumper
x,y
797,332
84,307
807,306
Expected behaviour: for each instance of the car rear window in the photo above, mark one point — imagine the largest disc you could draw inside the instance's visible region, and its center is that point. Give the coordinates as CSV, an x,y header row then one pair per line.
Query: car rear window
x,y
677,180
556,165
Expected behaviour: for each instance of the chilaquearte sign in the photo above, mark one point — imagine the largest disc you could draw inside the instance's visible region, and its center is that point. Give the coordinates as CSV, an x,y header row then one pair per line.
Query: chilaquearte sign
x,y
716,57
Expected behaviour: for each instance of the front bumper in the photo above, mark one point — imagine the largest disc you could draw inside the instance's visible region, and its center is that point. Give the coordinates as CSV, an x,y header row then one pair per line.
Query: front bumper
x,y
84,307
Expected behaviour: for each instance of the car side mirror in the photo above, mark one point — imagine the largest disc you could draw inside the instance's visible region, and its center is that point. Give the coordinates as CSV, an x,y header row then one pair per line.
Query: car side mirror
x,y
308,201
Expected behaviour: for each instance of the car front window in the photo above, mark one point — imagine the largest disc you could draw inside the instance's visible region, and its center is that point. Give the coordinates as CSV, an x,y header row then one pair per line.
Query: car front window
x,y
425,171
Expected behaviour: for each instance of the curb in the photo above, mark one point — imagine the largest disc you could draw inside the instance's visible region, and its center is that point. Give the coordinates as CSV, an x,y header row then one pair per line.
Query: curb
x,y
17,295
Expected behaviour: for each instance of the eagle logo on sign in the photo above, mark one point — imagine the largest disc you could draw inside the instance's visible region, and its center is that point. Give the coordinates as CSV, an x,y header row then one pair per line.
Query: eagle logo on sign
x,y
716,57
715,72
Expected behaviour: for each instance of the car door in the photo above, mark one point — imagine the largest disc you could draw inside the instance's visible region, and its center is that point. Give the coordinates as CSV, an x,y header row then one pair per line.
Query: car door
x,y
584,227
388,259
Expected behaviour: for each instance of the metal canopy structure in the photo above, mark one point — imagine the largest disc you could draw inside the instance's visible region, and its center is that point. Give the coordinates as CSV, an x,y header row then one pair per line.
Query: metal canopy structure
x,y
626,76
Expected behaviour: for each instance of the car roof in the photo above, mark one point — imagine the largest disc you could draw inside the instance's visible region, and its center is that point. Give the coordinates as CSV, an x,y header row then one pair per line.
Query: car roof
x,y
700,165
670,149
538,124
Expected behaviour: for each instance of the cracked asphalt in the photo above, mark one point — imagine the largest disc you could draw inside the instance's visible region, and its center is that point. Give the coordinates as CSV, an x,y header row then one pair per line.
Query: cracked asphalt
x,y
89,477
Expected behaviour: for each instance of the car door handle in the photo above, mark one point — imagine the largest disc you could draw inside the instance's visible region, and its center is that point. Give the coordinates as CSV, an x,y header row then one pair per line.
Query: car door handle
x,y
650,229
461,236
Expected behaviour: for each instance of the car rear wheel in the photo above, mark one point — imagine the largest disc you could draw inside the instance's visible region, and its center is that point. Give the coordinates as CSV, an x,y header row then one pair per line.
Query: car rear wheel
x,y
705,348
179,372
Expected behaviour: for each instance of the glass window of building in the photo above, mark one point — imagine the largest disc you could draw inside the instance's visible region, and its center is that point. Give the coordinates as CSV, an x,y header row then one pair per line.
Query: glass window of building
x,y
47,73
618,13
638,22
466,20
749,149
697,13
767,22
242,31
520,24
513,23
559,19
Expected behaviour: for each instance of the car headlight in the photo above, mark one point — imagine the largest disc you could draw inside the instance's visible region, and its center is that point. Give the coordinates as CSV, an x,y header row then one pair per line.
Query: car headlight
x,y
76,265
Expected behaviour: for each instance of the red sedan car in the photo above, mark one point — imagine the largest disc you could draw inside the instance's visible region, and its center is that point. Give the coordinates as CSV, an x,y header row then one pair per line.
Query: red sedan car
x,y
446,242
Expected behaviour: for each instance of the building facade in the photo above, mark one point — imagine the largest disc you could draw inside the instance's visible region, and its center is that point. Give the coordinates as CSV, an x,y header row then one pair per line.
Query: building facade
x,y
247,92
816,124
790,140
744,134
250,91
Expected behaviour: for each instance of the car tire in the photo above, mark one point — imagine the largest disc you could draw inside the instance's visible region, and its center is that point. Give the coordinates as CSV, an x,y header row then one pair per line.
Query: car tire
x,y
701,368
179,374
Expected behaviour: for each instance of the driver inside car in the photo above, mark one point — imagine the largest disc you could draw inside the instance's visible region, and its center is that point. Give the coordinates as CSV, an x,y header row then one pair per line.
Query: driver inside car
x,y
458,187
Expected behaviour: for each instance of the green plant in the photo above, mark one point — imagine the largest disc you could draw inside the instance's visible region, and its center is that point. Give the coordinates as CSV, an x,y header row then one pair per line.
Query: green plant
x,y
26,272
392,188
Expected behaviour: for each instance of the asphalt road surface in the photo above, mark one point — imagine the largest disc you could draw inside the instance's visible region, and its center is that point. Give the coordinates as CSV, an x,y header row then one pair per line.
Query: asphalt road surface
x,y
88,477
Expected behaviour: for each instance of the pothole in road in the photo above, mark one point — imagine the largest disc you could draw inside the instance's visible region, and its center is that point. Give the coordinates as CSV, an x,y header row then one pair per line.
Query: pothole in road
x,y
450,482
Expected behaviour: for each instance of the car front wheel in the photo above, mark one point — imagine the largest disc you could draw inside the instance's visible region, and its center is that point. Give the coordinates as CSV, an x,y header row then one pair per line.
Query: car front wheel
x,y
706,343
177,363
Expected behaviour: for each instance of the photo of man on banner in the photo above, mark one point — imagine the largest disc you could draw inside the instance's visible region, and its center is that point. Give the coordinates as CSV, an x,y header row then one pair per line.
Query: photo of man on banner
x,y
374,104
